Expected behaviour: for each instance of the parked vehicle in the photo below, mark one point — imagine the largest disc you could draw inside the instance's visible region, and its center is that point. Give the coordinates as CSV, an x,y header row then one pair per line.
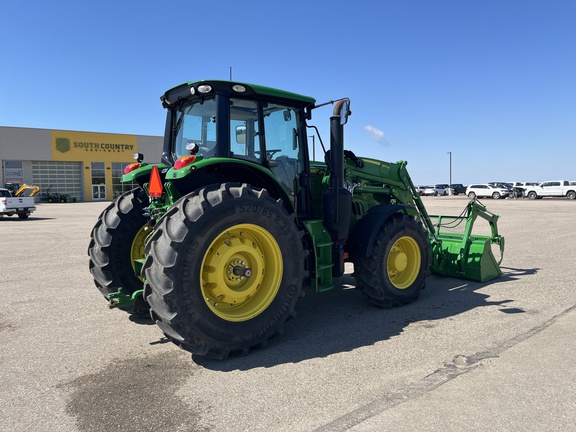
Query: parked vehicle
x,y
441,189
515,192
26,191
458,188
485,190
54,197
552,188
523,186
428,191
12,187
11,205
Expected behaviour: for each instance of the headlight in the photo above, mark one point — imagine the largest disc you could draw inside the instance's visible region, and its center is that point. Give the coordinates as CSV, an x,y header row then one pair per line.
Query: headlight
x,y
204,88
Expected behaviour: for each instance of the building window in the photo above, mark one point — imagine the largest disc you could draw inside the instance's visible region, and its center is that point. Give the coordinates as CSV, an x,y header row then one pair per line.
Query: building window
x,y
118,187
13,175
98,173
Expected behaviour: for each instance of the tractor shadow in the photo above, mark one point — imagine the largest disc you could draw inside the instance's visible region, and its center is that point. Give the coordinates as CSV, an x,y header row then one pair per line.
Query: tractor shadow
x,y
16,219
342,320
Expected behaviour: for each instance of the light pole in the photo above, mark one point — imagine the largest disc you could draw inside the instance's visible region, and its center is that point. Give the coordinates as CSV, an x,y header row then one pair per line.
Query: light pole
x,y
450,184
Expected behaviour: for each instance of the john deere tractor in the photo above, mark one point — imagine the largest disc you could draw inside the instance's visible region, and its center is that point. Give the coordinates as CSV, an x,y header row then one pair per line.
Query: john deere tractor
x,y
221,238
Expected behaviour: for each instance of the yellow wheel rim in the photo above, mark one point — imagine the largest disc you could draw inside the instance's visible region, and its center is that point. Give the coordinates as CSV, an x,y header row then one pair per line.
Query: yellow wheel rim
x,y
403,263
137,249
241,272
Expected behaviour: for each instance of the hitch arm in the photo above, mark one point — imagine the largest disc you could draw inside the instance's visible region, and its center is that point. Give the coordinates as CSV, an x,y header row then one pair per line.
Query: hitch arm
x,y
120,299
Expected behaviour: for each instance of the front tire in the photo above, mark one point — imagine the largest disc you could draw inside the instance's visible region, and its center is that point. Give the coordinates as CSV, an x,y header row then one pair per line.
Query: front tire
x,y
496,195
471,195
395,271
532,195
116,240
224,270
571,195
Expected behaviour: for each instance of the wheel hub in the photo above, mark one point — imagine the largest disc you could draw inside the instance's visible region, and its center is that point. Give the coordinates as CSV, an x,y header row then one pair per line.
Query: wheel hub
x,y
399,260
403,263
238,269
241,272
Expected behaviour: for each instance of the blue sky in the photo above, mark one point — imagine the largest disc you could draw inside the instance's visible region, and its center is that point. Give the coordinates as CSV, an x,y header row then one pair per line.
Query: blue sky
x,y
492,81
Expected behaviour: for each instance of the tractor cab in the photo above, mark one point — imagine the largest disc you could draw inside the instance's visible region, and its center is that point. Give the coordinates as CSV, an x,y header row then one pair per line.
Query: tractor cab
x,y
240,132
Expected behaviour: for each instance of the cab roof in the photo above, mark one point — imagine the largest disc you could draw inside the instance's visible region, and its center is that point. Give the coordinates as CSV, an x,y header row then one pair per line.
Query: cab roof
x,y
207,87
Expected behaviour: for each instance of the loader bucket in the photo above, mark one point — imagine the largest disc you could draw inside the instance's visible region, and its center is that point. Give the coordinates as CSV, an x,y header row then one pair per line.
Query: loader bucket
x,y
458,252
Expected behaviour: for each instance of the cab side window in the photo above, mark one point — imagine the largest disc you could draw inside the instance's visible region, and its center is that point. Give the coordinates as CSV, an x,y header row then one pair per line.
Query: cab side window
x,y
244,129
282,143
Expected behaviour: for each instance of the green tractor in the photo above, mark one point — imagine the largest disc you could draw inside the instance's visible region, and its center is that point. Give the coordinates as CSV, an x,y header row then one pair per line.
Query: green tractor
x,y
54,197
221,237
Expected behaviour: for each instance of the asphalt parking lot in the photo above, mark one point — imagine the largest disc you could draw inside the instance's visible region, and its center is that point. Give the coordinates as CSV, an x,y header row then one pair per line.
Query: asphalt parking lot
x,y
466,356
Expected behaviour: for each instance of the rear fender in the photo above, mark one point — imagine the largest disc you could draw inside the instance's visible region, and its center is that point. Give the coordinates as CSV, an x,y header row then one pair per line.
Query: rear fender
x,y
141,175
363,234
225,170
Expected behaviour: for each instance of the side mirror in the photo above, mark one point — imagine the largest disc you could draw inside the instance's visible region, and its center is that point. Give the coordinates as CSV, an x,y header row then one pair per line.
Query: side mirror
x,y
345,112
192,147
241,134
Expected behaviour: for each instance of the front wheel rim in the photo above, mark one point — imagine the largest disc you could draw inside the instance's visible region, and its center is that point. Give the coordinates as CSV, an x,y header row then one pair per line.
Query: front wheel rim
x,y
241,272
138,244
403,262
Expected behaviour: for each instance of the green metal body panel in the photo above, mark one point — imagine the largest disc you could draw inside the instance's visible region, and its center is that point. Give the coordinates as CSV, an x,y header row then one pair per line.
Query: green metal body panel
x,y
143,170
201,162
321,279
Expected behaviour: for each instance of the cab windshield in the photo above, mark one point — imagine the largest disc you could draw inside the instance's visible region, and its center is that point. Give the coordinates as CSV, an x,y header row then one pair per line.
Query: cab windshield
x,y
250,122
196,123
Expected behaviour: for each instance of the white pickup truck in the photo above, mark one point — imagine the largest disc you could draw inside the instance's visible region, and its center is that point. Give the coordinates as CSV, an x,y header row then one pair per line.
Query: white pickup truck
x,y
553,188
9,205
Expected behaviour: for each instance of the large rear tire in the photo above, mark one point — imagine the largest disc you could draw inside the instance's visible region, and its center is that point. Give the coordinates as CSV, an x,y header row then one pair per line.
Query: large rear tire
x,y
395,271
116,240
224,270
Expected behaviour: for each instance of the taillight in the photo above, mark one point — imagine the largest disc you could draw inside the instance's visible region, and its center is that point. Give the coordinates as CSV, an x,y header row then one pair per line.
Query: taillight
x,y
155,184
131,167
184,161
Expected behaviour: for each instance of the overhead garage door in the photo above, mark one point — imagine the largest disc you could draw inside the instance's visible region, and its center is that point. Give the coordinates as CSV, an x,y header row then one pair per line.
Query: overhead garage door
x,y
61,177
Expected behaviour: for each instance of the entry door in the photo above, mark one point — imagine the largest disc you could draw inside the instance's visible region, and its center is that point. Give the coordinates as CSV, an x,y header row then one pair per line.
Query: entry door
x,y
98,192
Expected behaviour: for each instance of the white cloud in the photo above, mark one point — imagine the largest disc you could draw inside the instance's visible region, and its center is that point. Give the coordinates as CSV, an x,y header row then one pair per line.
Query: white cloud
x,y
376,133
